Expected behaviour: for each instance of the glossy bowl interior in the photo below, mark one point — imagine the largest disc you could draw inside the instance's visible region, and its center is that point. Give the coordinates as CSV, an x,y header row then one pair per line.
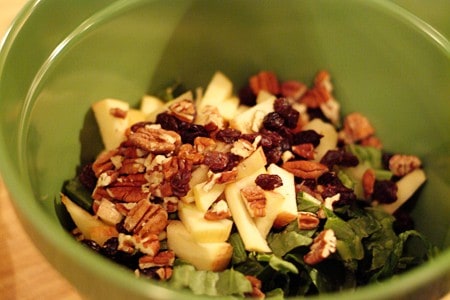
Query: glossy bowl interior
x,y
384,62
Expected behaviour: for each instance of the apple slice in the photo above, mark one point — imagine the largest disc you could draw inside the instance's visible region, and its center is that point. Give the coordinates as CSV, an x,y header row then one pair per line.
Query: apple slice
x,y
149,104
112,120
251,119
252,238
329,139
263,96
135,116
251,164
218,89
288,209
205,197
203,256
228,107
406,187
91,227
274,202
202,230
200,174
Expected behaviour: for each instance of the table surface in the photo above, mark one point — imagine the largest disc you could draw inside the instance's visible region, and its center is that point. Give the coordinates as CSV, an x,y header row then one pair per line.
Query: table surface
x,y
24,273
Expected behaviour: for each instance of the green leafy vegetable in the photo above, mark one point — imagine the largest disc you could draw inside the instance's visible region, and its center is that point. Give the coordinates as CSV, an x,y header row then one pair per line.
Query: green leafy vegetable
x,y
78,193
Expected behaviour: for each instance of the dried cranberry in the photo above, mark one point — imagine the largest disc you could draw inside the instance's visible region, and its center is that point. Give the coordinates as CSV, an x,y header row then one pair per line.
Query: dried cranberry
x,y
285,110
180,182
339,157
270,139
268,181
273,155
282,106
109,248
168,122
228,135
291,118
216,161
87,177
403,221
250,136
385,158
307,137
189,132
233,161
273,121
246,96
332,185
91,244
385,191
316,113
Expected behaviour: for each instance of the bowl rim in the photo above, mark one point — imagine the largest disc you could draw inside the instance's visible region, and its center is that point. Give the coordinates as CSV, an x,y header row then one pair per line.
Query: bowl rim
x,y
38,222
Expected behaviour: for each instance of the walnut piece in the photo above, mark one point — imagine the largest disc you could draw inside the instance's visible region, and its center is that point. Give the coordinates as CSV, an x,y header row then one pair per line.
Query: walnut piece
x,y
255,200
400,164
323,245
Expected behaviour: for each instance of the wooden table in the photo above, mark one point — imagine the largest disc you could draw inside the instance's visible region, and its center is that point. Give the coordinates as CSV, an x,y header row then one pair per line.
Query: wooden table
x,y
24,273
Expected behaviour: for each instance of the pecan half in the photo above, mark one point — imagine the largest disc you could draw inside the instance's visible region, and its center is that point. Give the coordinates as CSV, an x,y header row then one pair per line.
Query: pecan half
x,y
154,140
161,259
266,81
400,165
305,169
304,150
307,220
255,200
323,245
368,182
293,89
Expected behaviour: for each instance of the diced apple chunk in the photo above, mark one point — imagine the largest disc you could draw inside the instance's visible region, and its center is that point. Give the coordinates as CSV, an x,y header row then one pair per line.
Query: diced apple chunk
x,y
406,187
149,104
218,89
329,139
252,163
91,227
200,174
228,107
288,209
135,116
263,96
111,121
201,229
203,256
252,238
204,197
250,120
108,213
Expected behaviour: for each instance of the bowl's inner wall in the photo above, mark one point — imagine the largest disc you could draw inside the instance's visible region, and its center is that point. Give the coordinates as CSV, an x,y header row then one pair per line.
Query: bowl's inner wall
x,y
380,66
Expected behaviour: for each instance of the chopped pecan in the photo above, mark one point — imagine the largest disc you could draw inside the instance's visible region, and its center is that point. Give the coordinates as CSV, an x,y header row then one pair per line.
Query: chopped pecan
x,y
149,244
314,97
256,288
368,182
266,81
183,110
136,214
171,204
255,200
103,162
323,245
161,259
204,144
356,128
293,89
130,165
154,140
305,169
154,221
243,148
323,79
210,117
118,113
307,220
372,141
219,210
332,110
400,164
189,153
304,150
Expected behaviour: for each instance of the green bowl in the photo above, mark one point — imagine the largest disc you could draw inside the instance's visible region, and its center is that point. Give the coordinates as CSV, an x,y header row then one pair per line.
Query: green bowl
x,y
61,56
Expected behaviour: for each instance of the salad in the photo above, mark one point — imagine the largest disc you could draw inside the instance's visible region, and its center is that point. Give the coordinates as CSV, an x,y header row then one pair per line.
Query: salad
x,y
267,193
